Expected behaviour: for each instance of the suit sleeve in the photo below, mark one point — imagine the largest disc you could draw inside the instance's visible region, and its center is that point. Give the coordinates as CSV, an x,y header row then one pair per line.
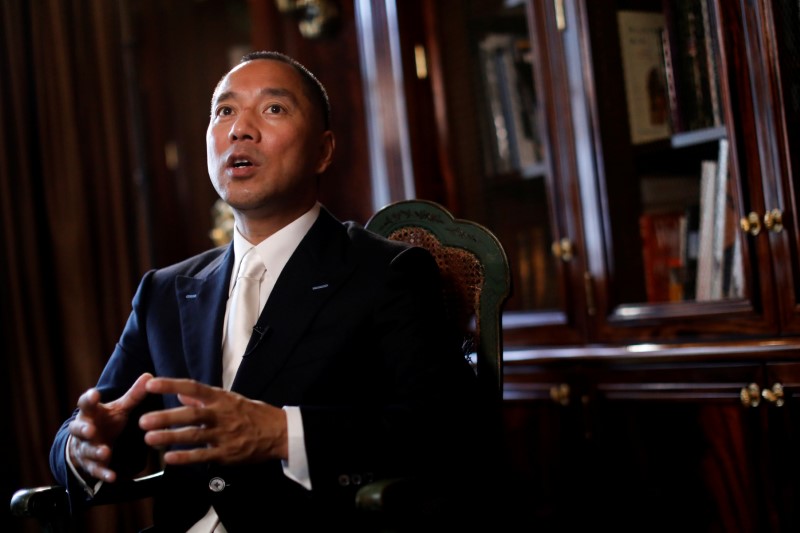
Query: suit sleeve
x,y
418,422
122,369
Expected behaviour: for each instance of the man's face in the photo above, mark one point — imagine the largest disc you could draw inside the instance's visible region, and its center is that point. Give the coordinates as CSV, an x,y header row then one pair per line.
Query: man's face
x,y
265,140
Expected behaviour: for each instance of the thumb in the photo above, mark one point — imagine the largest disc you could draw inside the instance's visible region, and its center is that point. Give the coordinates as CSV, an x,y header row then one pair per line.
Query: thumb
x,y
136,393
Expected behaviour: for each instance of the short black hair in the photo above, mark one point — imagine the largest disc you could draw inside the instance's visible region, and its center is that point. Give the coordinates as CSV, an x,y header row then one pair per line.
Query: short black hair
x,y
316,91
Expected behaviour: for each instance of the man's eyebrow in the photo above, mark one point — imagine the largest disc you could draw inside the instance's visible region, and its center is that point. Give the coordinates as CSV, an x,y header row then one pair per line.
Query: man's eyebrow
x,y
221,97
266,91
279,92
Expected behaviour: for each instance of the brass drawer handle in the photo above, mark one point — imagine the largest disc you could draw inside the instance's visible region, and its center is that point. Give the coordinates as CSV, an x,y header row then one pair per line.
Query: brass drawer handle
x,y
750,395
562,249
774,395
751,223
560,394
773,220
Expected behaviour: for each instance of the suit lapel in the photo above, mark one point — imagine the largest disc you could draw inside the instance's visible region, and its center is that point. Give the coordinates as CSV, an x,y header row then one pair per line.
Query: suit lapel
x,y
201,303
312,275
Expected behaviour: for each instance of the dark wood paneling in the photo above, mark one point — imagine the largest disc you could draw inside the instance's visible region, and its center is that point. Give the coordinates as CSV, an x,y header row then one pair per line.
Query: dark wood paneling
x,y
182,48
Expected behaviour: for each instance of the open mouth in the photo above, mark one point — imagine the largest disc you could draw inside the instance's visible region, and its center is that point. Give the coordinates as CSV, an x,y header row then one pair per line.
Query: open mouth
x,y
242,164
239,163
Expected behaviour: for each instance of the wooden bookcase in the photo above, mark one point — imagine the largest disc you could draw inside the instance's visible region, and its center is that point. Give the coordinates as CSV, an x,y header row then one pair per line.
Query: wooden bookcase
x,y
625,410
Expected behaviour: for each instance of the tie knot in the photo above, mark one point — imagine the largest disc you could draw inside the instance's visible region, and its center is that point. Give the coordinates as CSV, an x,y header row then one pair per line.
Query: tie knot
x,y
252,266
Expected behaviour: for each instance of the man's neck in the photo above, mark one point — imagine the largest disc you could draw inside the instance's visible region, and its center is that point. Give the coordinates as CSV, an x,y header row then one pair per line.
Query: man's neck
x,y
256,229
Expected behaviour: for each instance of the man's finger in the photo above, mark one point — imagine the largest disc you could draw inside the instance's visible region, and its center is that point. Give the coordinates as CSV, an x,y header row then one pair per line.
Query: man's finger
x,y
186,387
185,435
99,472
91,453
178,416
188,400
89,401
197,455
136,393
93,460
81,429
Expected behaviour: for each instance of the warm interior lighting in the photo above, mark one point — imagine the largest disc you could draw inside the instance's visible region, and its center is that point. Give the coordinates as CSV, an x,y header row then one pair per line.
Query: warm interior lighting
x,y
421,62
315,18
288,6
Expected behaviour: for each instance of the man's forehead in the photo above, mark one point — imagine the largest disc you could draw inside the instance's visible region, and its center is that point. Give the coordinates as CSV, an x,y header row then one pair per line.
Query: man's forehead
x,y
263,75
264,69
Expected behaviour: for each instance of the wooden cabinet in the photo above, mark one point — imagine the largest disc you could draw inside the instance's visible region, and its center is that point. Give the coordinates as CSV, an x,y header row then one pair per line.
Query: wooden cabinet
x,y
781,461
670,441
653,234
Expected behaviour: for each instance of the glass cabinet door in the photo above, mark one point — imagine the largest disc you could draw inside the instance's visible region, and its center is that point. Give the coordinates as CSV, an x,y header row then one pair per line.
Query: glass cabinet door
x,y
784,32
669,102
499,112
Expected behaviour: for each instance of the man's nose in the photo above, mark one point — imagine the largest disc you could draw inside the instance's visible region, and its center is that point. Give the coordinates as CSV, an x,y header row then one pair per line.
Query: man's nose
x,y
244,128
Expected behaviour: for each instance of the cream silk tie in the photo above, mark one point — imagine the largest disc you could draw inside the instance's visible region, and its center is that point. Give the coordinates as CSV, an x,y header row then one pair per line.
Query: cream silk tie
x,y
242,314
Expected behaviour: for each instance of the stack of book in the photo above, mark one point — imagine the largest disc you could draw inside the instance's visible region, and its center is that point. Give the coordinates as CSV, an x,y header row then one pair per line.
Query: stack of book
x,y
691,248
513,122
669,63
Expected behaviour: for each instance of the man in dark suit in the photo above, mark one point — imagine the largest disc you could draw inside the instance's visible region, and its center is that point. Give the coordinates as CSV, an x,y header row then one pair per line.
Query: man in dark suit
x,y
350,374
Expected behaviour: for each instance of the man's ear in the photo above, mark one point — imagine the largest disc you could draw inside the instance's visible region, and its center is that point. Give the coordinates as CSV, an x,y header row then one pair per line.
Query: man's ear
x,y
327,147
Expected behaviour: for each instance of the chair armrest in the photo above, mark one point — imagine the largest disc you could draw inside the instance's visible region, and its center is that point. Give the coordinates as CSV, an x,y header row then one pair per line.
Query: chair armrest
x,y
377,496
126,491
40,502
52,501
400,496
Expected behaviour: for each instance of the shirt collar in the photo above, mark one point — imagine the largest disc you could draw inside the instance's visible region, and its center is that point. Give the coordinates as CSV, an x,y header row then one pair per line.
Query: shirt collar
x,y
276,249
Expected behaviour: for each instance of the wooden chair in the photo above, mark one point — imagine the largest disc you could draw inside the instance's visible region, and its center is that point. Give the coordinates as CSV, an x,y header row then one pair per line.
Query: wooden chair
x,y
475,276
476,279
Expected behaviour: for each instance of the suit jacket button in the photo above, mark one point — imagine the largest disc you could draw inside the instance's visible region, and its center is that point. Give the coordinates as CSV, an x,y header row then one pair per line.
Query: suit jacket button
x,y
344,480
356,479
217,484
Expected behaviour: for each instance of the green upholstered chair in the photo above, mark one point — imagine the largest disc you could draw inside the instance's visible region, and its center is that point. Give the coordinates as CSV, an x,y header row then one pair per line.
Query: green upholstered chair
x,y
475,275
476,280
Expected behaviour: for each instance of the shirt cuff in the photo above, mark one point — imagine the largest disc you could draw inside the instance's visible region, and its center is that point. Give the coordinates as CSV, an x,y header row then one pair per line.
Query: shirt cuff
x,y
90,491
296,468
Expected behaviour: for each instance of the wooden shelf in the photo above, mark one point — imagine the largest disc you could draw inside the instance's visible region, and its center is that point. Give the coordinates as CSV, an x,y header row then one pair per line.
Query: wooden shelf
x,y
692,138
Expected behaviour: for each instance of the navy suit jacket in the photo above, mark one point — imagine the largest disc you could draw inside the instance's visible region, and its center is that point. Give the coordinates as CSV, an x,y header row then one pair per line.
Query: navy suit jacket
x,y
353,333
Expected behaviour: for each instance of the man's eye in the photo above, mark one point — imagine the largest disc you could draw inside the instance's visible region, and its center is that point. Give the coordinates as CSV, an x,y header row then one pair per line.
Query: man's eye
x,y
274,109
224,111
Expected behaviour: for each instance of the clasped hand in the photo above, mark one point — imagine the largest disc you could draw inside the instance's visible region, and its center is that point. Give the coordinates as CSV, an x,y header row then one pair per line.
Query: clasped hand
x,y
225,427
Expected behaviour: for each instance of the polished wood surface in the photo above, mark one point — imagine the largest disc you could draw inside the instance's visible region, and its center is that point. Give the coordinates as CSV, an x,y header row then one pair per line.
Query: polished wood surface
x,y
657,435
624,414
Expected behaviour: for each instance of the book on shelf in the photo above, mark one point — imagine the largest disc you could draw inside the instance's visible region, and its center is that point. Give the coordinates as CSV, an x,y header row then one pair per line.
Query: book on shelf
x,y
711,63
718,244
669,229
690,57
675,120
645,77
729,250
690,249
719,265
662,250
708,193
513,122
